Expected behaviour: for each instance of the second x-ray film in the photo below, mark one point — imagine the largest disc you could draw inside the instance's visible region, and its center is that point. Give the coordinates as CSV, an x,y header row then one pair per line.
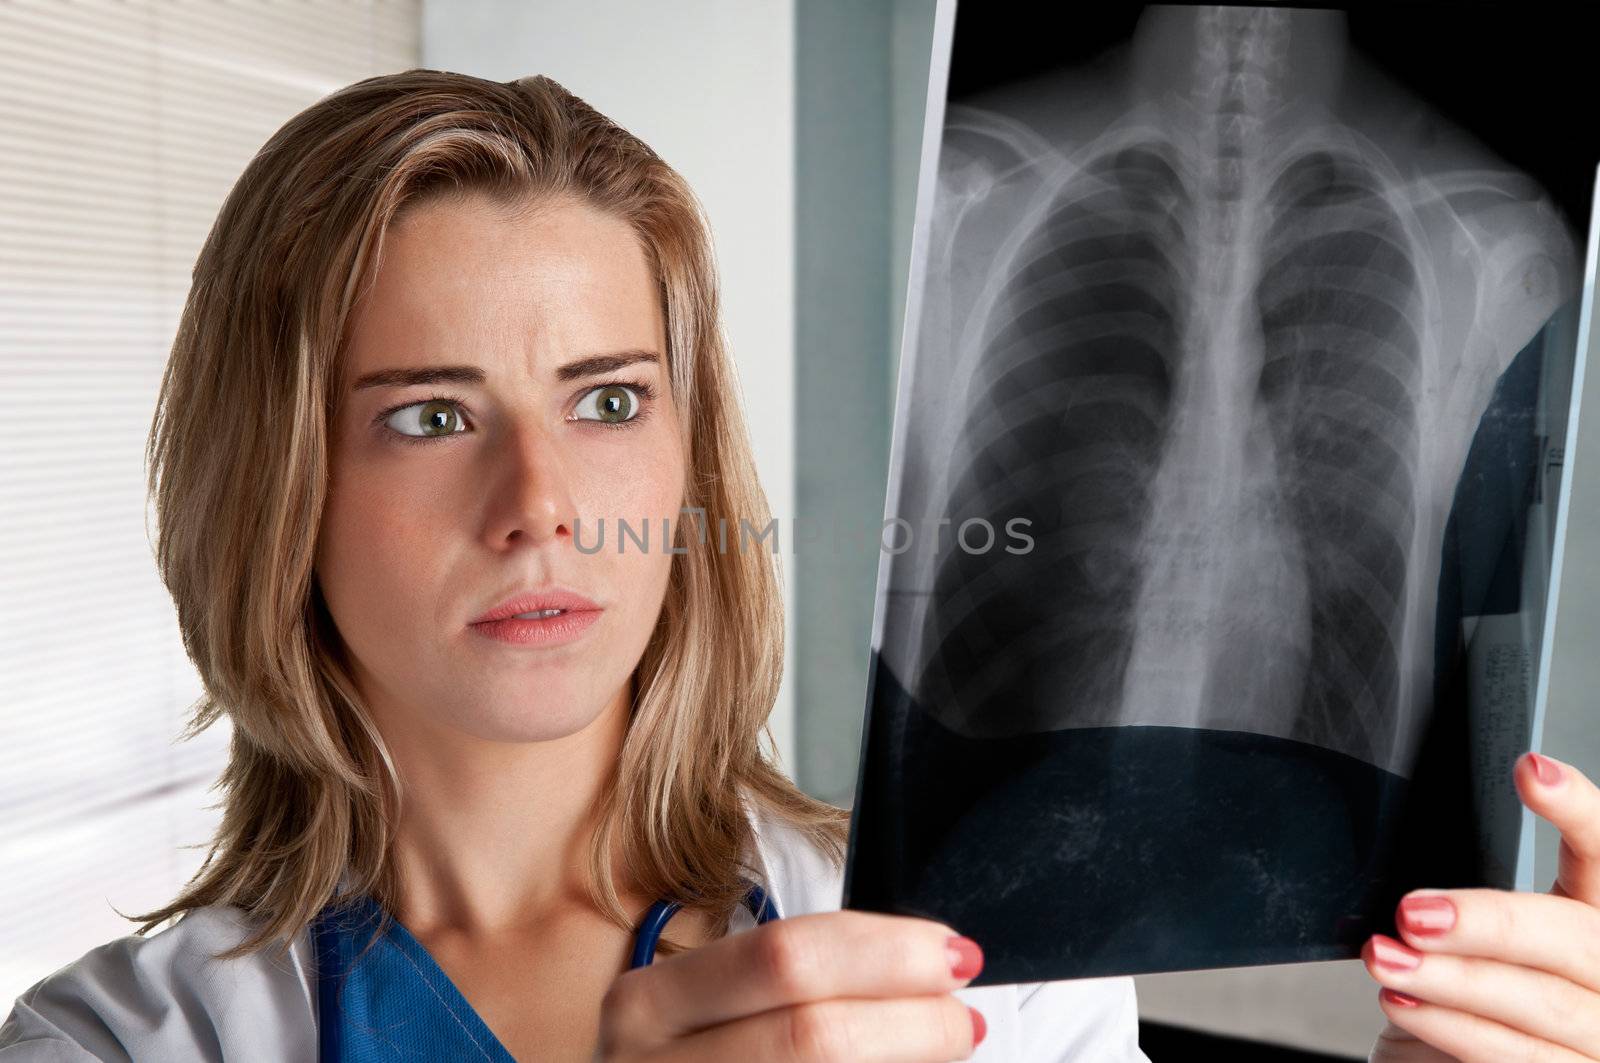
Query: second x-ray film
x,y
1226,488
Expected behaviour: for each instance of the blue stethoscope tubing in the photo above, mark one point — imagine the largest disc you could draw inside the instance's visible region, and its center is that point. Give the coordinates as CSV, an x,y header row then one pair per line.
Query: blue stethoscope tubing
x,y
644,942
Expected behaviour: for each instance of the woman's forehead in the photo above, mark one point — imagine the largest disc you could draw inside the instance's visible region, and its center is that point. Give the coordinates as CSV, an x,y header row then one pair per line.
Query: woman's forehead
x,y
564,249
465,275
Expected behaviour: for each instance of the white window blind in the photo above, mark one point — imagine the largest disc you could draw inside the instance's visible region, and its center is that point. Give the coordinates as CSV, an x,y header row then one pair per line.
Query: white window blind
x,y
123,123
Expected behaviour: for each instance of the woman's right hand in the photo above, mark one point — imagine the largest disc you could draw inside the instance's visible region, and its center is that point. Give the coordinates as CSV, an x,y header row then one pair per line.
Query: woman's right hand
x,y
842,985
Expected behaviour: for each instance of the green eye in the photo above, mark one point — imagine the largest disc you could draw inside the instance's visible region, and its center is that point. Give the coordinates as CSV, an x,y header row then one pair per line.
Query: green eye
x,y
437,417
612,404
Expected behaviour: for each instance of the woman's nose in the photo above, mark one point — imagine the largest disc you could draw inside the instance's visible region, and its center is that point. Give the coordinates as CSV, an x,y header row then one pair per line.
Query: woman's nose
x,y
532,500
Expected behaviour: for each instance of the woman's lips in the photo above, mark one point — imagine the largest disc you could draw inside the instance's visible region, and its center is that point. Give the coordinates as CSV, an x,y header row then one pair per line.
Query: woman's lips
x,y
549,631
532,601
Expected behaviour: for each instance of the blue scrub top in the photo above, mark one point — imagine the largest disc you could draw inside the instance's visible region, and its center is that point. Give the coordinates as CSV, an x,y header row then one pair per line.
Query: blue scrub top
x,y
387,1000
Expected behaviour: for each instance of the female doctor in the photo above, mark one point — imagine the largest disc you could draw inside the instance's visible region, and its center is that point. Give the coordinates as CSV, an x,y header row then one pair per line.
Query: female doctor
x,y
495,790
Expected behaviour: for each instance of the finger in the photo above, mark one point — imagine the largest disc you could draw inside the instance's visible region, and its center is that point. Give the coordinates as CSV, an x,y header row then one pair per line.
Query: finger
x,y
907,1030
1572,804
1535,930
795,960
1470,1038
1537,1003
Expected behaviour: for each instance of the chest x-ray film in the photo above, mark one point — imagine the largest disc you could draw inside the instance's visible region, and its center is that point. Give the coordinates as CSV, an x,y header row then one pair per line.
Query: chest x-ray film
x,y
1226,486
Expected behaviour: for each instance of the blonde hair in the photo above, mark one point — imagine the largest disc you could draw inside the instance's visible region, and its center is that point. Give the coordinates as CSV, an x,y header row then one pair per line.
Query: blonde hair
x,y
237,459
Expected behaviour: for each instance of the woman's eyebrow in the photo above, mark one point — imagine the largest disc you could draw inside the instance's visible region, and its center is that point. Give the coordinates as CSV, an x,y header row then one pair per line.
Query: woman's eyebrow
x,y
429,374
604,363
471,374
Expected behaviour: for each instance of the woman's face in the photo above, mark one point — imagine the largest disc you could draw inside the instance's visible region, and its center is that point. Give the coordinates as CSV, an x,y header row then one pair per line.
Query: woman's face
x,y
441,510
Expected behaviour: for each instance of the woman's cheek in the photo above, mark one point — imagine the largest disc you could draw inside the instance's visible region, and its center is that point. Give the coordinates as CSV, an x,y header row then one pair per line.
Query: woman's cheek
x,y
380,551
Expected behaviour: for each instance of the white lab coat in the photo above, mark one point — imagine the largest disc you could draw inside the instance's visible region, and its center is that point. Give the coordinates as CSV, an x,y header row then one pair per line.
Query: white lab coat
x,y
164,998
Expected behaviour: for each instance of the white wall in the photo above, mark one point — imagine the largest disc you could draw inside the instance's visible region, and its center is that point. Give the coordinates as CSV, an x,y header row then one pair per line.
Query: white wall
x,y
709,84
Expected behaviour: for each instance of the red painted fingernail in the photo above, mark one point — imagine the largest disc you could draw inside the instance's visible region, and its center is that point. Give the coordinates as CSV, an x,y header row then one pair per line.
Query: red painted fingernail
x,y
1395,997
966,959
979,1027
1427,915
1545,769
1394,955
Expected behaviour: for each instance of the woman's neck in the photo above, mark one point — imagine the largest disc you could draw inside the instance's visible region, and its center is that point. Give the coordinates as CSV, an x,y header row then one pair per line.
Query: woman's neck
x,y
494,836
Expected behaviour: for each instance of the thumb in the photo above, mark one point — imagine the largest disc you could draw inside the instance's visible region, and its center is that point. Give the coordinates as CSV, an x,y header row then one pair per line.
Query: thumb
x,y
1564,795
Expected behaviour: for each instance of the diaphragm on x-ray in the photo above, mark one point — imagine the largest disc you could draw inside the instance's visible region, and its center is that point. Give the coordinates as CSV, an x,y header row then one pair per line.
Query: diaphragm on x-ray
x,y
1223,500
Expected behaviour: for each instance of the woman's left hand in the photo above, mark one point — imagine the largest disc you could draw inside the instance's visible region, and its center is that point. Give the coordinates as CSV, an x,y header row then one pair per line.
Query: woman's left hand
x,y
1498,976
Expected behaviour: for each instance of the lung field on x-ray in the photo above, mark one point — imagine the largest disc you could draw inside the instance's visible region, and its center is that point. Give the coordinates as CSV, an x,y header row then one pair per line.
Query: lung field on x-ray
x,y
1067,432
1341,375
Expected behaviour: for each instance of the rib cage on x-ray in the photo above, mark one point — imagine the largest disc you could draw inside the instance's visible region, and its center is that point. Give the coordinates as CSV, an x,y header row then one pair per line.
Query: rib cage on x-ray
x,y
1095,315
1226,356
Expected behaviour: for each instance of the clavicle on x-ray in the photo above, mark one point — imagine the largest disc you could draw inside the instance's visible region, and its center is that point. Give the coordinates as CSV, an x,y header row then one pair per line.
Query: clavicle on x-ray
x,y
1200,339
